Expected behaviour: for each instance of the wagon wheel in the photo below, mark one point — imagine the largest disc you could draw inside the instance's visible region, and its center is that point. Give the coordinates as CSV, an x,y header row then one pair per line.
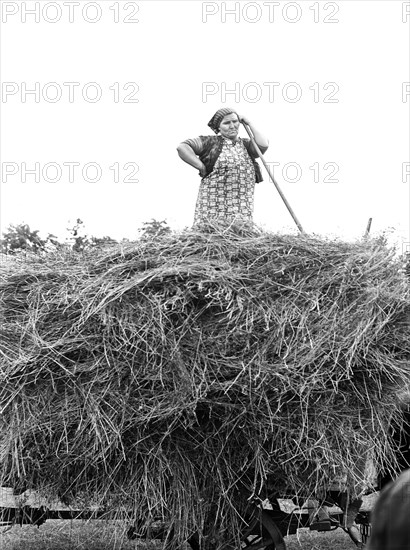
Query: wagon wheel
x,y
270,537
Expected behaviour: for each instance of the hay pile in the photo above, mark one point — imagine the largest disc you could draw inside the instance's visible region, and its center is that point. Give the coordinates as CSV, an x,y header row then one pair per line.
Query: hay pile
x,y
178,376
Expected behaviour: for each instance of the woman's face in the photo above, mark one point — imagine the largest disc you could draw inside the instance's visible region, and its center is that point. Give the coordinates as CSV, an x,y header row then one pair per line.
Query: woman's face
x,y
229,126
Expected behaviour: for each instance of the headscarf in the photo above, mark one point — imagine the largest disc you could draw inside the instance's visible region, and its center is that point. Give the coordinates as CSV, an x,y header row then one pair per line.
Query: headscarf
x,y
216,120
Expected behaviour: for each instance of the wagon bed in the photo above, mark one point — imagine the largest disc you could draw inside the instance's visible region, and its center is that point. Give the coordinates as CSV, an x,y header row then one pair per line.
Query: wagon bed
x,y
267,527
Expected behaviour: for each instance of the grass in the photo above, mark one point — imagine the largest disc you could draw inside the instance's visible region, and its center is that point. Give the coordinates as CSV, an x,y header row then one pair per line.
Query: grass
x,y
68,535
308,540
110,535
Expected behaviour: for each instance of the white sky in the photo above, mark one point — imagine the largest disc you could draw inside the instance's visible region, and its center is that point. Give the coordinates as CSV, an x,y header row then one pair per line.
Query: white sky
x,y
171,53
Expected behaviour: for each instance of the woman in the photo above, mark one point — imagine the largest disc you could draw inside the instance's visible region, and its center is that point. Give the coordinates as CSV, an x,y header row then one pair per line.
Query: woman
x,y
228,167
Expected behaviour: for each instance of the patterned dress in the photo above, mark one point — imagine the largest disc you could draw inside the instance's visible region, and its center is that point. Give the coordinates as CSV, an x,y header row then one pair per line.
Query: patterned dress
x,y
227,192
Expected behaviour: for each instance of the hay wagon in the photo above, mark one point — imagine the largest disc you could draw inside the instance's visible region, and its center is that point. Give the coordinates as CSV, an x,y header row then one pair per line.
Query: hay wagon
x,y
266,527
272,521
165,371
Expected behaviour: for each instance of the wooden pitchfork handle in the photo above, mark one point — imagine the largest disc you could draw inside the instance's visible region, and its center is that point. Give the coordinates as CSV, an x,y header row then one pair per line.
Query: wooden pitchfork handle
x,y
250,134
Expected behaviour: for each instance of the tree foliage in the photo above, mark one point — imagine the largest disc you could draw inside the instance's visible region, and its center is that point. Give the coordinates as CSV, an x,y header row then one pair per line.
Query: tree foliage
x,y
80,240
18,238
154,228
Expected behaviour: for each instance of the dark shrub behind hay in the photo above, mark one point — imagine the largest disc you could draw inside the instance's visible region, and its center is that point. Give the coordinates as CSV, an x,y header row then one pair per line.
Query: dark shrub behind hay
x,y
178,376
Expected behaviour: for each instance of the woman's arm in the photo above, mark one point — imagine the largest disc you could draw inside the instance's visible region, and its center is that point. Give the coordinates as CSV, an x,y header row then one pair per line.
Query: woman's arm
x,y
260,139
188,155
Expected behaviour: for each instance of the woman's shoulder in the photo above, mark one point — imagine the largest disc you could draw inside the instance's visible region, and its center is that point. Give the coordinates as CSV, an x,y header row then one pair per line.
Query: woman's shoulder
x,y
211,139
202,140
206,138
202,144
